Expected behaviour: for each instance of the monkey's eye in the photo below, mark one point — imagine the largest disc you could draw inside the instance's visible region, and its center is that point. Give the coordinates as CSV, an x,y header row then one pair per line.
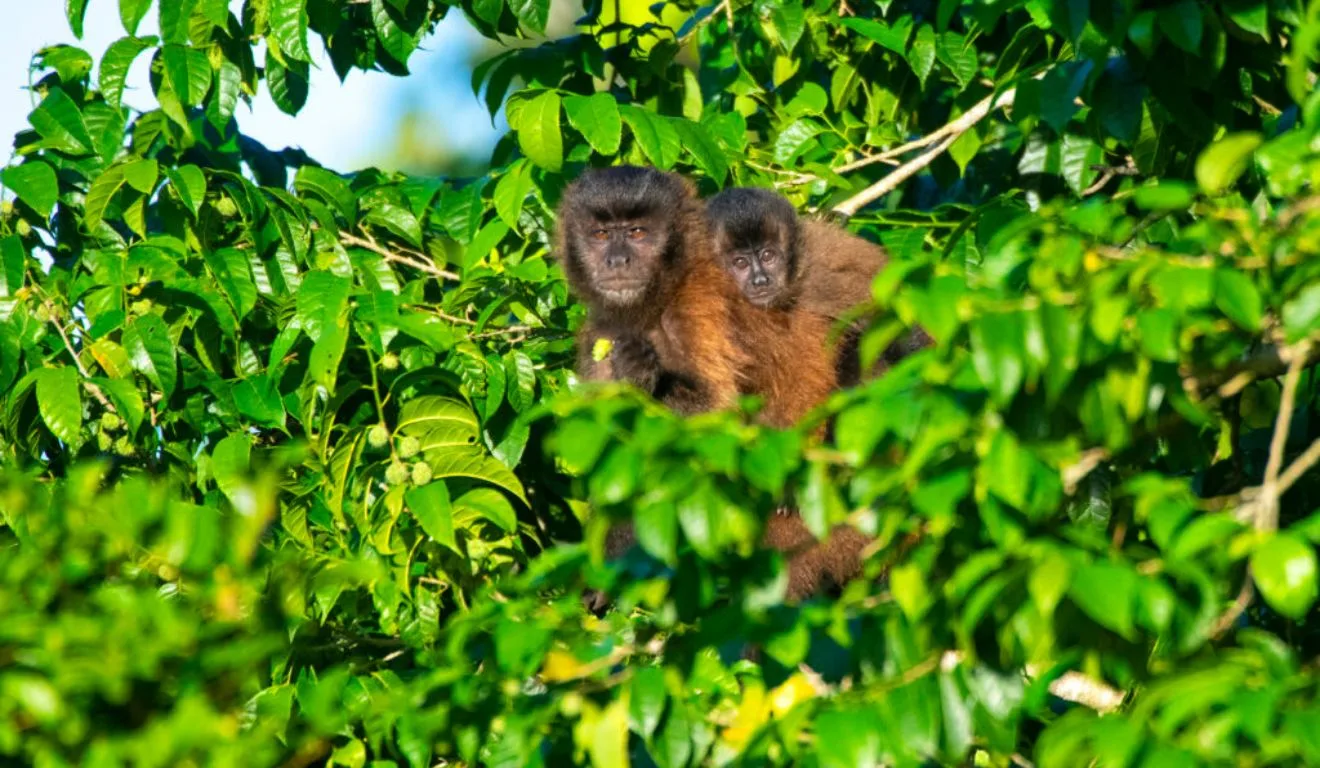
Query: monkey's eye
x,y
600,234
767,255
740,263
637,233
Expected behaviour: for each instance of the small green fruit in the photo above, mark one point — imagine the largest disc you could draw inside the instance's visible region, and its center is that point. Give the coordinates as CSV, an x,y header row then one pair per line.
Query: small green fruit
x,y
23,228
104,441
390,361
110,422
123,446
421,473
408,447
396,473
224,205
378,436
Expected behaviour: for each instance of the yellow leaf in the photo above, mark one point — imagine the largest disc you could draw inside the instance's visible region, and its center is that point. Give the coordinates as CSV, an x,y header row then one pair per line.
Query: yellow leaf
x,y
790,693
560,665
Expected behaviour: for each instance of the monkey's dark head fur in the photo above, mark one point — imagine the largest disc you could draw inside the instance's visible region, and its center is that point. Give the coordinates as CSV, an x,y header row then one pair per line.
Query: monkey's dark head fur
x,y
758,241
626,234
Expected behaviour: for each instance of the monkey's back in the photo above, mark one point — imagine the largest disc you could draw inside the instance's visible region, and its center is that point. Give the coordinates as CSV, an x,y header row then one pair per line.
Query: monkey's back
x,y
838,268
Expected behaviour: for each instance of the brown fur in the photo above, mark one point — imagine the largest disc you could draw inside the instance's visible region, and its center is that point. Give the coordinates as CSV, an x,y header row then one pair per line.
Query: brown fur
x,y
697,329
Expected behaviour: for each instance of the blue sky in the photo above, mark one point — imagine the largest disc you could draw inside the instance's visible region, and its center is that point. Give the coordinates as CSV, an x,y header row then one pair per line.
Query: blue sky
x,y
343,126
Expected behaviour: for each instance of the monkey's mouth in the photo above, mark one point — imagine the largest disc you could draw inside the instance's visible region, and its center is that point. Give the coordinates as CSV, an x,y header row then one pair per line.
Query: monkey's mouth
x,y
760,297
621,292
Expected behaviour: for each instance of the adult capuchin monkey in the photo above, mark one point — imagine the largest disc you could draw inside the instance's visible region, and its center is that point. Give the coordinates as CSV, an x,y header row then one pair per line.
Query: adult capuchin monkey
x,y
636,249
781,261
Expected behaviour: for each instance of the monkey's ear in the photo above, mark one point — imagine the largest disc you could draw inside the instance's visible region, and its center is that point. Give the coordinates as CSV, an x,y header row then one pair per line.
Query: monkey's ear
x,y
835,216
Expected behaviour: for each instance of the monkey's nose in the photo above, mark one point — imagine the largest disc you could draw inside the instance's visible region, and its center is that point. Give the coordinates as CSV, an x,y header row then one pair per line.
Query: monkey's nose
x,y
616,261
760,281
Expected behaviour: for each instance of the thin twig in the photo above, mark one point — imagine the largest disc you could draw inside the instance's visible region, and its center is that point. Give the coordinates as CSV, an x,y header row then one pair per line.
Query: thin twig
x,y
1077,471
890,182
942,138
82,369
1267,507
958,125
1266,363
505,331
414,259
1299,467
1239,606
723,6
1099,183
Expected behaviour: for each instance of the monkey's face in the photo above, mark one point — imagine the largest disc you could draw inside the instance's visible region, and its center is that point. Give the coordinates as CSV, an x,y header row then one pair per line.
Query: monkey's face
x,y
761,272
622,258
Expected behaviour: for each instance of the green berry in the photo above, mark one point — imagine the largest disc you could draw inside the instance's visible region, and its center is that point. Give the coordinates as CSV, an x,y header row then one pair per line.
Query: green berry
x,y
390,361
408,447
224,205
104,441
110,422
396,473
421,473
379,436
23,228
123,446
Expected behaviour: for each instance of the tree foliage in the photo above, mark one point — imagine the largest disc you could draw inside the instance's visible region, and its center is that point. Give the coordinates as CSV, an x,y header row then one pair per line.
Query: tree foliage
x,y
298,471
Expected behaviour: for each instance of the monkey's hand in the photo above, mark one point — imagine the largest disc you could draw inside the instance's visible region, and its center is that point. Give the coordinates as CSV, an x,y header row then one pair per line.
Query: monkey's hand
x,y
634,359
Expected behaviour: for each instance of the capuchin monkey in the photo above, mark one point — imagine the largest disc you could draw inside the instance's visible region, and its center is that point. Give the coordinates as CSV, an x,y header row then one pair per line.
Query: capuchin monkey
x,y
784,262
636,249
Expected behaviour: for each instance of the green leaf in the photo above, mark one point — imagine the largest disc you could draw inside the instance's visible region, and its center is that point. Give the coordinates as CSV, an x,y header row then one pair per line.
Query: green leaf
x,y
596,117
475,463
35,184
397,41
13,263
1301,314
189,72
329,186
893,37
131,13
1220,164
511,192
76,11
655,135
190,183
532,13
229,466
398,220
998,349
539,132
141,175
100,194
58,121
60,401
224,99
1164,196
646,702
958,55
1182,23
1107,593
1237,297
126,398
521,373
1076,156
288,23
288,86
430,505
790,21
174,18
151,350
922,56
794,139
1284,567
115,64
488,11
327,352
486,504
707,153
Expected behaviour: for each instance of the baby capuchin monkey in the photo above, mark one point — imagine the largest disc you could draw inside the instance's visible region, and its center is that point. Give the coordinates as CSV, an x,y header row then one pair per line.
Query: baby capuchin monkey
x,y
636,249
781,261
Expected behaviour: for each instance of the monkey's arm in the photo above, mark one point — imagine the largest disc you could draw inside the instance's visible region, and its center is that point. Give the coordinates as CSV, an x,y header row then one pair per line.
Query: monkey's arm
x,y
630,358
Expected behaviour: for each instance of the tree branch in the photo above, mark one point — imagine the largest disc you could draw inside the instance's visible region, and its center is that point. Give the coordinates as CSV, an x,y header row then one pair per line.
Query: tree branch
x,y
414,259
1268,362
942,138
77,361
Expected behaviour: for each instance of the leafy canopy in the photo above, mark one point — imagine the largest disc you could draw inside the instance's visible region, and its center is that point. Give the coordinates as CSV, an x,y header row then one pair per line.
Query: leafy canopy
x,y
298,472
